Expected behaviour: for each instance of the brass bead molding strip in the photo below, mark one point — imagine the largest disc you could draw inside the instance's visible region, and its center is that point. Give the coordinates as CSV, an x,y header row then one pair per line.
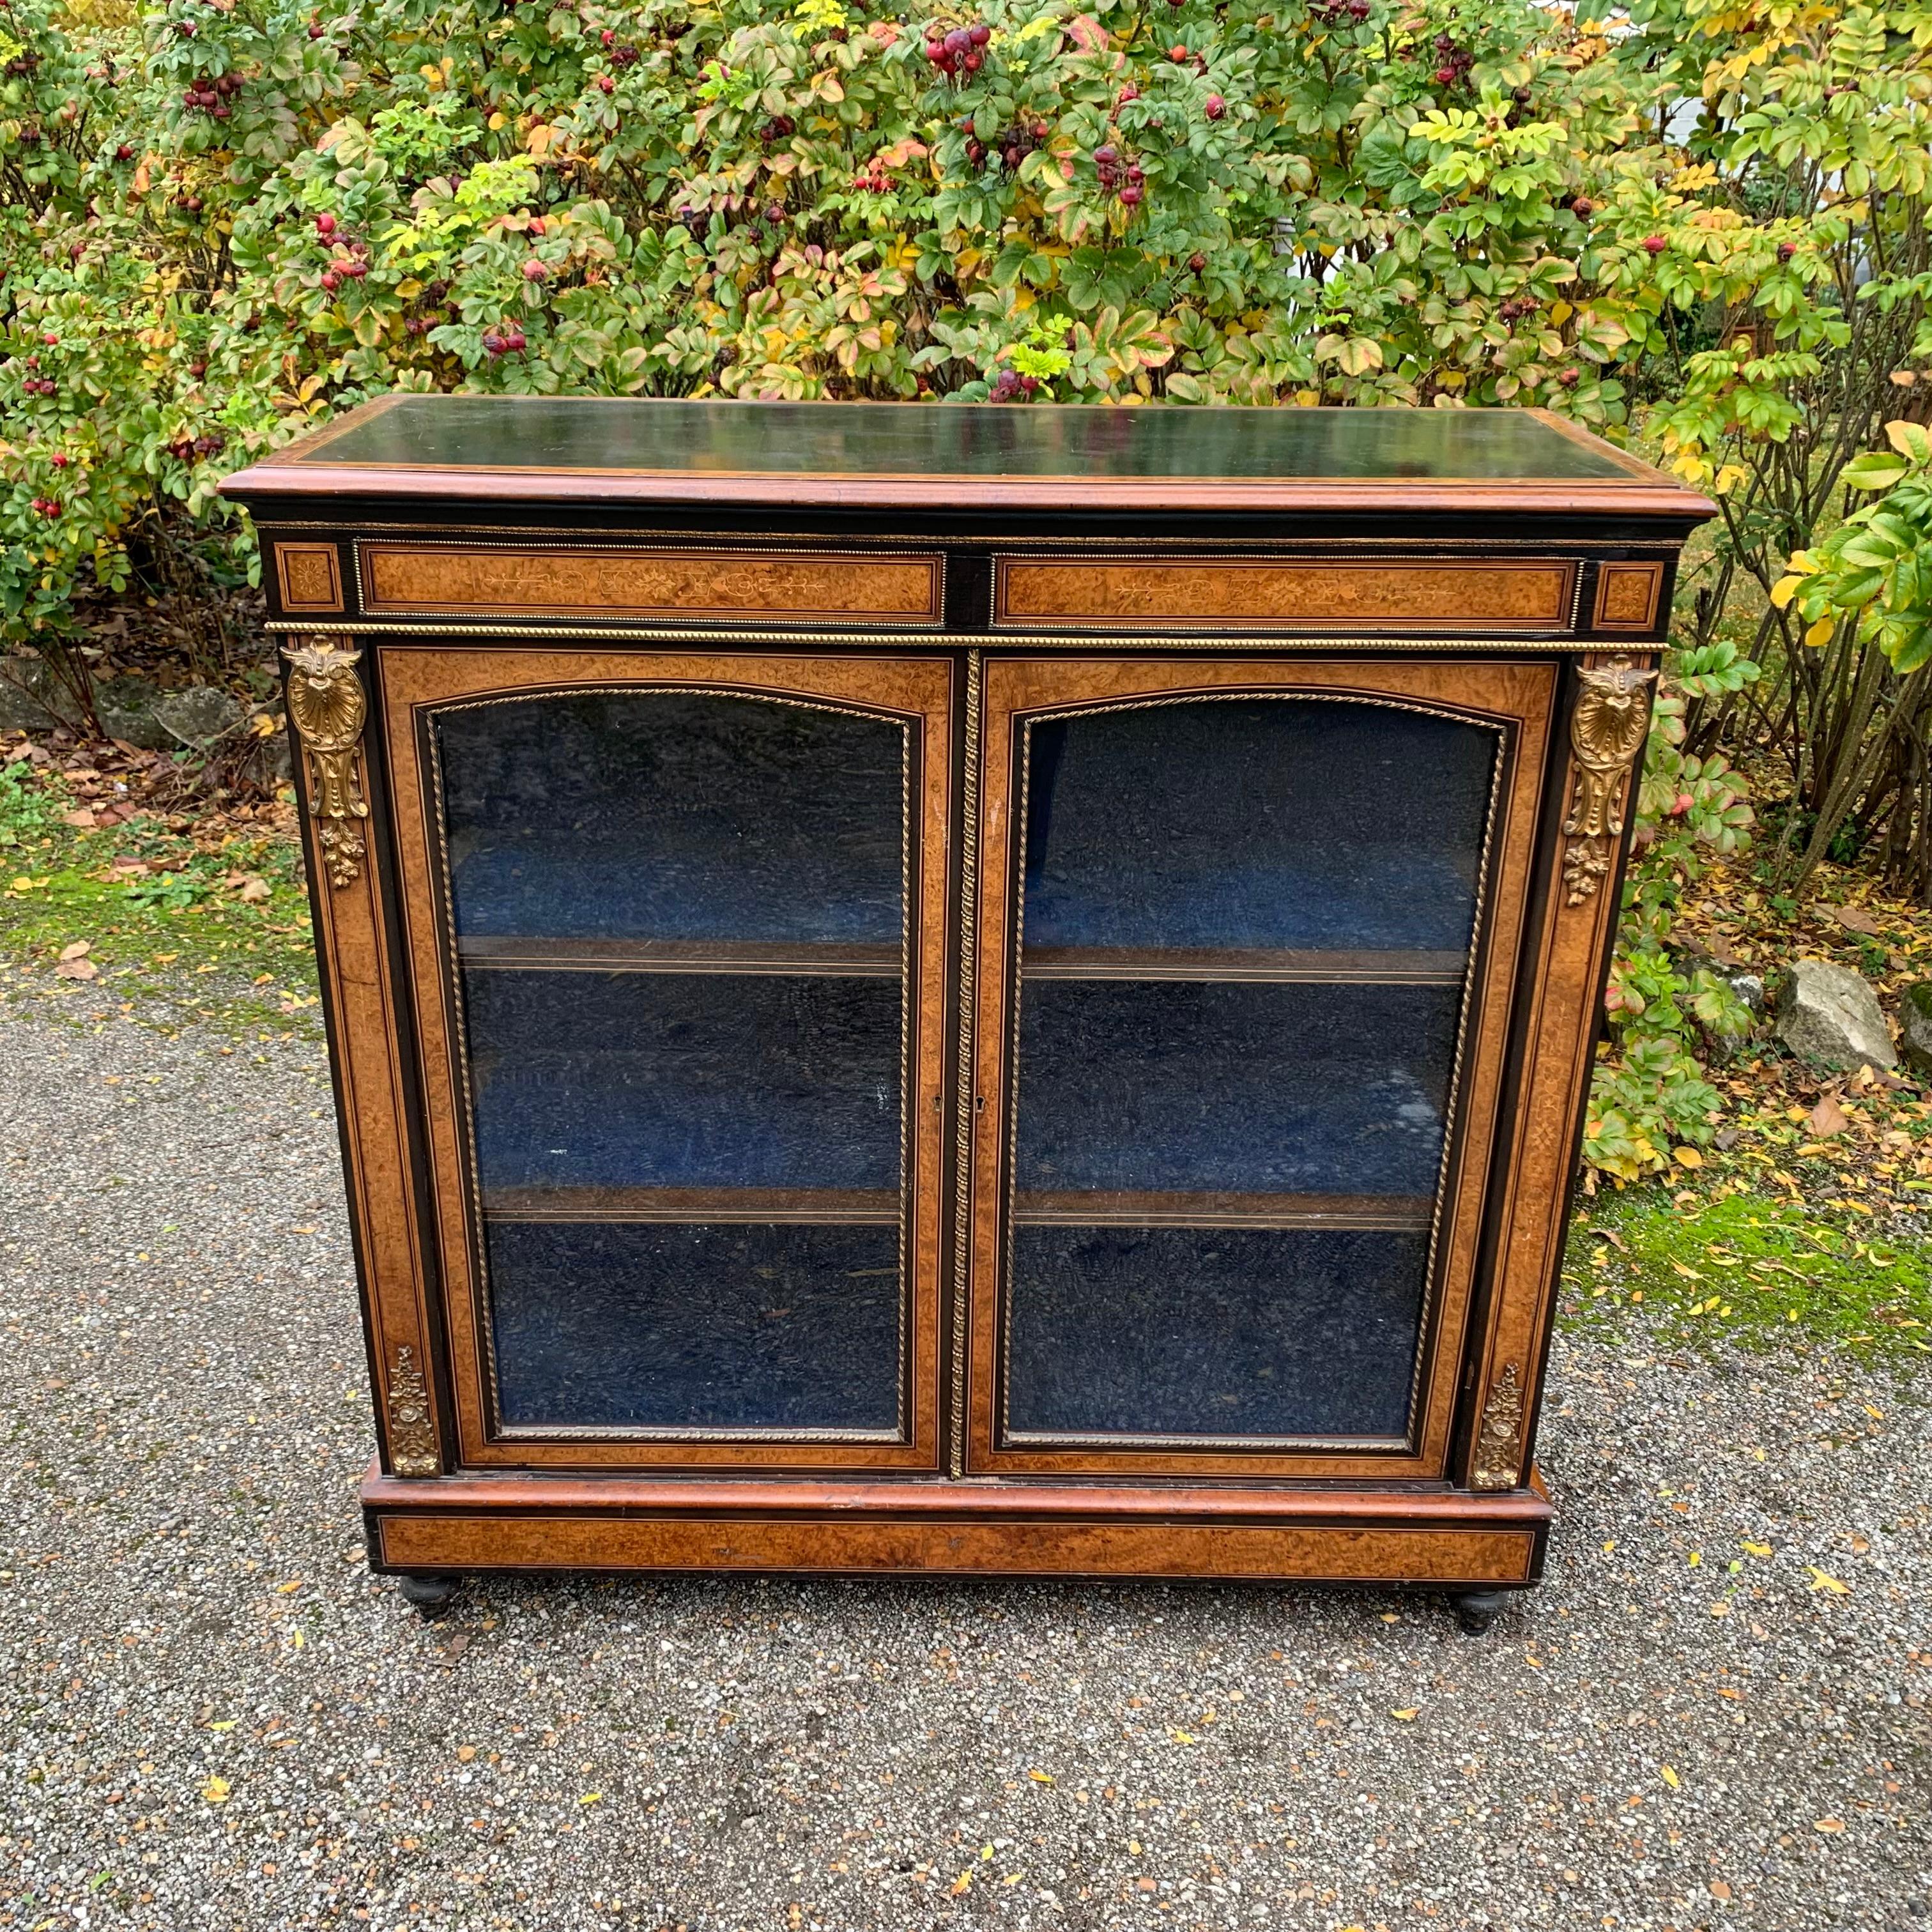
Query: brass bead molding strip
x,y
1607,731
328,705
1259,593
573,581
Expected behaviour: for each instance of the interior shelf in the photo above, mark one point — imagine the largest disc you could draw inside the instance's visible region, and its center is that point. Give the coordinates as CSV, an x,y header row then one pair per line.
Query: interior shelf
x,y
1036,1207
829,957
1281,966
706,1207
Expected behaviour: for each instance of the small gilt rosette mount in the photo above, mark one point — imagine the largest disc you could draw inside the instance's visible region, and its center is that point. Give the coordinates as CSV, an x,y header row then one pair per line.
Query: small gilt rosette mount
x,y
1606,732
328,706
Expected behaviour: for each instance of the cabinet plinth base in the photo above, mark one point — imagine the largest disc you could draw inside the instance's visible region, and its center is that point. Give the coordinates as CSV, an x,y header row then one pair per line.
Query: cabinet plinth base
x,y
1446,1539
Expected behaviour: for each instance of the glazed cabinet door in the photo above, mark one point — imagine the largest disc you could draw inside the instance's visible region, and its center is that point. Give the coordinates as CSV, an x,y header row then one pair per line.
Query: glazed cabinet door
x,y
678,925
1246,932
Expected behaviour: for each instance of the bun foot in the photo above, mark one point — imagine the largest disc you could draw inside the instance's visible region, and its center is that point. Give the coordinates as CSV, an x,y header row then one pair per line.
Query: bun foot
x,y
1477,1609
431,1595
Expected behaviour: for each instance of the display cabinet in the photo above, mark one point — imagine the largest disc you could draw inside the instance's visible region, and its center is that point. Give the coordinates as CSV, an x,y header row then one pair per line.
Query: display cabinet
x,y
919,987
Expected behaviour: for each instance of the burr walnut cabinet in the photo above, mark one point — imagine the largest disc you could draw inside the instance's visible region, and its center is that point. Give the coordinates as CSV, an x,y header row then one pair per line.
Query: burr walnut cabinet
x,y
917,988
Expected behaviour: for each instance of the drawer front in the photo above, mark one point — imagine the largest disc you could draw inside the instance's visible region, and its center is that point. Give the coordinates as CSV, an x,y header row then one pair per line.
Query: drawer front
x,y
901,590
1248,593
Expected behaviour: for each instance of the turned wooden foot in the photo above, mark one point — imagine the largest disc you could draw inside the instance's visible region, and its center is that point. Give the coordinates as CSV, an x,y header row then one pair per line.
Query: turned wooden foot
x,y
431,1595
1477,1609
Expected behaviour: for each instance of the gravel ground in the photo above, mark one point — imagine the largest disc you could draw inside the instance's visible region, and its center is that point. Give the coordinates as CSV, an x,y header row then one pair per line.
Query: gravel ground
x,y
214,1717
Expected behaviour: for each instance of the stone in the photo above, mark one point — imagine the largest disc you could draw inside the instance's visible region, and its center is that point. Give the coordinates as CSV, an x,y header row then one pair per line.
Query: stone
x,y
197,716
1829,1016
1914,1026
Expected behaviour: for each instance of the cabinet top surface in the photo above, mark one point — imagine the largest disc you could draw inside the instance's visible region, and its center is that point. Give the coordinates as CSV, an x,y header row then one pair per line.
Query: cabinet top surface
x,y
601,449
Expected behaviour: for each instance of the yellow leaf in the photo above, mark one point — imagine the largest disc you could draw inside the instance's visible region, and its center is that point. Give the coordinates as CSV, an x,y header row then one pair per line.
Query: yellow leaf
x,y
962,1885
1560,313
1041,1777
1609,1545
1784,590
591,1798
1183,1737
224,1723
1819,634
1757,1549
1828,1824
1720,1609
498,119
1820,1581
1408,1716
1686,1156
288,1589
1669,1777
216,1790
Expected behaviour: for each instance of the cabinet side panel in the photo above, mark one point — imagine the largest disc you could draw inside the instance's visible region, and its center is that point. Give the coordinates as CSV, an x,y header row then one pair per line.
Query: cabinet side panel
x,y
1607,718
352,942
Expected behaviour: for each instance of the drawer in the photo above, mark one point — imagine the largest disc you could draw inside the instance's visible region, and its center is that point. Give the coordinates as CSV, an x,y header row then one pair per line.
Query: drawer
x,y
1131,592
901,590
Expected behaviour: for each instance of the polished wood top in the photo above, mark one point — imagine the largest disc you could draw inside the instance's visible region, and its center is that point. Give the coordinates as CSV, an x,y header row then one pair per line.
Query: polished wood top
x,y
940,456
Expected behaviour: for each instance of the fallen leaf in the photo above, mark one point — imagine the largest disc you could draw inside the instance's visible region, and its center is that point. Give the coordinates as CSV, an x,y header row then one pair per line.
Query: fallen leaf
x,y
1408,1716
1757,1549
464,1753
81,819
1827,1117
215,1791
224,1723
77,969
1720,1608
1041,1777
255,891
1820,1581
1670,1777
1828,1824
1856,918
962,1885
1719,1889
79,949
1686,1156
591,1798
1183,1737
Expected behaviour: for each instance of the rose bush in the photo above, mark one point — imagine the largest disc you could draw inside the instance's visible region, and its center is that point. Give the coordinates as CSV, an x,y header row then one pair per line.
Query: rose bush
x,y
224,221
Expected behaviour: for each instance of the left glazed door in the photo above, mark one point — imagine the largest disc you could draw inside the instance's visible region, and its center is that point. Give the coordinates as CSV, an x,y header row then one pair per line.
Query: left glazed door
x,y
678,928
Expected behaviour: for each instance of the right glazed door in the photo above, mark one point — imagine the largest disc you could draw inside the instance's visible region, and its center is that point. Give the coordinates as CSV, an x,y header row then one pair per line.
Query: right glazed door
x,y
1245,935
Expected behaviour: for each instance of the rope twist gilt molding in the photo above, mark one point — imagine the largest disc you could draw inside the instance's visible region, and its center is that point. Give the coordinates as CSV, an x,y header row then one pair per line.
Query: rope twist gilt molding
x,y
328,706
1607,731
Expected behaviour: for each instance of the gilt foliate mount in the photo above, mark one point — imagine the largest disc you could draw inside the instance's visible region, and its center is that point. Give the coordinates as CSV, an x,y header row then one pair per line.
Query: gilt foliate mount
x,y
1607,730
328,707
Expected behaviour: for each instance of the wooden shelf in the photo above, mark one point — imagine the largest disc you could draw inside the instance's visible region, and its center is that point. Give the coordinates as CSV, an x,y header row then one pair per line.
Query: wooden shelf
x,y
822,1206
1394,1212
829,957
1243,963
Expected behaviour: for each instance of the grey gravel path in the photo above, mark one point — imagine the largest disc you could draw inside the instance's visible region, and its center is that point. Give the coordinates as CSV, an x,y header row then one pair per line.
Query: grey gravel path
x,y
213,1716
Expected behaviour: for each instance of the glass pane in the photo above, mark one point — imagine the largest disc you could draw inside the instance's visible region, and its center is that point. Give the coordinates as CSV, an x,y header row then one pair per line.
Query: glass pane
x,y
1245,931
680,932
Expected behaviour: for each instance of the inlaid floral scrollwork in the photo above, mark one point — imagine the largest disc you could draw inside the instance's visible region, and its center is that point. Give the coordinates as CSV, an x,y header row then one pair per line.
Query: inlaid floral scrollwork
x,y
1606,732
328,706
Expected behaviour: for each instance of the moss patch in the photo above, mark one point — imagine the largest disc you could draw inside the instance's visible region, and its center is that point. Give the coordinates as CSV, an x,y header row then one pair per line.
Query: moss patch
x,y
209,925
1746,1268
